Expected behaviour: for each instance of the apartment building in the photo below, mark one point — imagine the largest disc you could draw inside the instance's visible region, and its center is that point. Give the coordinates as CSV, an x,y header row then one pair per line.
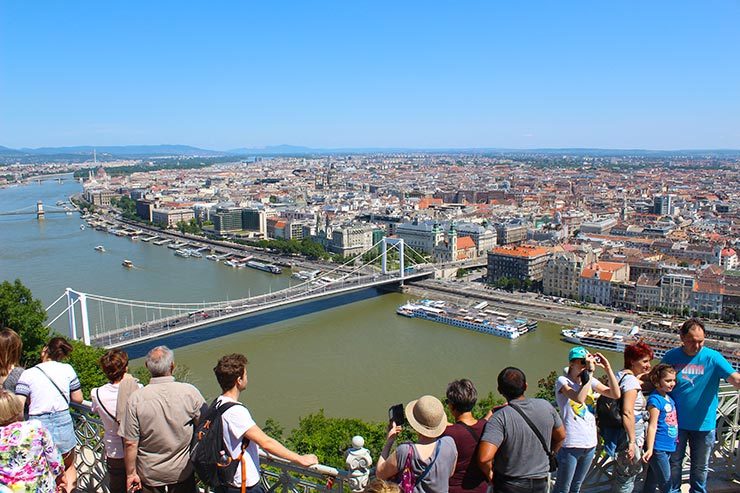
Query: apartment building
x,y
99,197
511,233
675,290
351,239
422,236
563,272
170,217
522,262
595,282
484,238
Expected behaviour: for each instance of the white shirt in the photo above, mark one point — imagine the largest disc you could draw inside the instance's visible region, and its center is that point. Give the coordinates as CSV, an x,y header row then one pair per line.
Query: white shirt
x,y
236,421
108,397
38,387
579,419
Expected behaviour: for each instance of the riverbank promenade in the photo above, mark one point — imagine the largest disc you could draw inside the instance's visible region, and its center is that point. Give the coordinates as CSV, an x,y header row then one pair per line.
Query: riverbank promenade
x,y
280,476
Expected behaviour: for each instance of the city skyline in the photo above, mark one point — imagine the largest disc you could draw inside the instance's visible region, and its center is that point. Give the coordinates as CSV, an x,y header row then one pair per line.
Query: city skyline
x,y
334,75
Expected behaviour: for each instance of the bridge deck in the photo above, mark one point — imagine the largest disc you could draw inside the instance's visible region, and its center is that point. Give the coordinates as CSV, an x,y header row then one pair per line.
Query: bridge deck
x,y
241,308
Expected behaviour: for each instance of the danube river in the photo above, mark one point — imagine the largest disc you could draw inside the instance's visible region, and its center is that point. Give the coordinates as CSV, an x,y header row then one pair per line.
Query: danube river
x,y
352,360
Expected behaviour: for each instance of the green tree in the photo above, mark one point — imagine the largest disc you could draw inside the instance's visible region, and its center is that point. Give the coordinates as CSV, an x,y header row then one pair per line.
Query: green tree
x,y
85,360
274,429
20,311
191,227
546,387
328,438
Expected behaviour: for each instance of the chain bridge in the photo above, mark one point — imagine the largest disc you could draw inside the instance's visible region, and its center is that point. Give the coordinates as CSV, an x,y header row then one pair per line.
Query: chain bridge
x,y
114,322
38,210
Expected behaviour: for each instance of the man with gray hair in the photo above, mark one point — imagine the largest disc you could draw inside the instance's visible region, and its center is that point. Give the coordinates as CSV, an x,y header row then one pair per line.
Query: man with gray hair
x,y
157,428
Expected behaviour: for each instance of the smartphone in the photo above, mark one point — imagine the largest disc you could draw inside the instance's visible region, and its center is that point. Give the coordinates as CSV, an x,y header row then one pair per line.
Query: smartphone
x,y
585,376
396,415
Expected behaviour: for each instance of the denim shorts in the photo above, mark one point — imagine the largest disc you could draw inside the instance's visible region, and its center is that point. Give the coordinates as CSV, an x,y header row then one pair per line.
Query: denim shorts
x,y
59,424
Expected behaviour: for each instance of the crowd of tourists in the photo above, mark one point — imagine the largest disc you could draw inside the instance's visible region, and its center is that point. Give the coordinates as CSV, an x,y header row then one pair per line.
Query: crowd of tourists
x,y
162,436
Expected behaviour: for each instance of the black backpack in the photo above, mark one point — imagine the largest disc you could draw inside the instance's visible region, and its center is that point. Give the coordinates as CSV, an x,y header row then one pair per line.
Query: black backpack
x,y
210,457
609,411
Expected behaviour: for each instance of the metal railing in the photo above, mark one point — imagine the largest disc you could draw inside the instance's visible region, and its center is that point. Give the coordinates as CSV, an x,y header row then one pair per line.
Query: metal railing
x,y
278,475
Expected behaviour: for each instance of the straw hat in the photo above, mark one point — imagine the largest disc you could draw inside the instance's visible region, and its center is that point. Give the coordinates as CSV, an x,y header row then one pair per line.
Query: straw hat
x,y
427,416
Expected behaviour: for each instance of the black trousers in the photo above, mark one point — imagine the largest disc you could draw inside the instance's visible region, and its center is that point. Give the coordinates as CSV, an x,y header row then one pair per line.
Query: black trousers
x,y
116,475
505,484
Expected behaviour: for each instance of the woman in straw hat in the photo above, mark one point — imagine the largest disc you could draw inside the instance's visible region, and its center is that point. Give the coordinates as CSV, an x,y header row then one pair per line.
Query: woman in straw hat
x,y
424,466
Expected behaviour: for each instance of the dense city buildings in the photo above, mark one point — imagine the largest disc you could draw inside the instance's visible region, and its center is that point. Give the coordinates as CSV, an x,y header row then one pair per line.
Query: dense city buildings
x,y
561,223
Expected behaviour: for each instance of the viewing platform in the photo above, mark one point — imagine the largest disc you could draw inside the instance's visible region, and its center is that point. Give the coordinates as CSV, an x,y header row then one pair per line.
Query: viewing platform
x,y
279,475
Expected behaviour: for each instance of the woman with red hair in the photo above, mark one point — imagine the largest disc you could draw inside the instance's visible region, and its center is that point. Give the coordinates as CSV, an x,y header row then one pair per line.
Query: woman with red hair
x,y
625,444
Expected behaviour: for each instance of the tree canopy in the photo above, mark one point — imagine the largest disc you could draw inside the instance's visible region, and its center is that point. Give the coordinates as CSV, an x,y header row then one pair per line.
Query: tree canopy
x,y
23,313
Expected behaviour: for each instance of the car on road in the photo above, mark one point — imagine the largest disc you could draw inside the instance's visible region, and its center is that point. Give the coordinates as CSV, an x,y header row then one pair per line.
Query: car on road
x,y
579,312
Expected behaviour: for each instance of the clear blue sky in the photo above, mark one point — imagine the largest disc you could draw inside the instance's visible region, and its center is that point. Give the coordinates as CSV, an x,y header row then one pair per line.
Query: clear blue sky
x,y
356,73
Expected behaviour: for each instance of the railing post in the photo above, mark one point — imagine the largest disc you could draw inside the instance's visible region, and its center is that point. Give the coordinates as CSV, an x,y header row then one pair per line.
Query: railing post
x,y
358,460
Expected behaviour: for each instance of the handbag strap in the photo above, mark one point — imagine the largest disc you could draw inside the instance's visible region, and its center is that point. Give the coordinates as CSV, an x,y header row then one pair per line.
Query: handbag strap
x,y
102,406
53,383
472,432
429,467
533,427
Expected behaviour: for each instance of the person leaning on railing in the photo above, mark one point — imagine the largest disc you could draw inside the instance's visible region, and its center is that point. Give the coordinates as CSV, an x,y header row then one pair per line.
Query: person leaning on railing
x,y
239,428
699,371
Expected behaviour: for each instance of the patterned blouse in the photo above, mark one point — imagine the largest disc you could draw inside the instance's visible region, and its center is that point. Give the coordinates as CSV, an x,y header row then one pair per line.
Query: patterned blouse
x,y
29,461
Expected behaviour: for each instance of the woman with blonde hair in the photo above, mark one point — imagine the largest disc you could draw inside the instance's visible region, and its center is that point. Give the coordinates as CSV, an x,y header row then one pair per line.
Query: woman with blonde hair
x,y
29,461
11,348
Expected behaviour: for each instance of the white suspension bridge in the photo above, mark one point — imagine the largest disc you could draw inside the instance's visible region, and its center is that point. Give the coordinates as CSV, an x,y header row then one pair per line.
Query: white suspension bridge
x,y
114,322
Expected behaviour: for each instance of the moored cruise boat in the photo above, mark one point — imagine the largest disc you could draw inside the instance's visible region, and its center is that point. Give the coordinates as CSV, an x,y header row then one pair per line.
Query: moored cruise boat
x,y
460,317
611,340
265,267
182,253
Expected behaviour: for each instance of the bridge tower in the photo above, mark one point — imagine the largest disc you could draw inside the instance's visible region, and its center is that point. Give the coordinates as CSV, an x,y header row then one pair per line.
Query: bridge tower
x,y
384,258
39,210
73,297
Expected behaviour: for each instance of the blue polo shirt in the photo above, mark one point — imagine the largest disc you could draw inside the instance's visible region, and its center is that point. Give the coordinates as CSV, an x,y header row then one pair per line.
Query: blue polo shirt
x,y
697,384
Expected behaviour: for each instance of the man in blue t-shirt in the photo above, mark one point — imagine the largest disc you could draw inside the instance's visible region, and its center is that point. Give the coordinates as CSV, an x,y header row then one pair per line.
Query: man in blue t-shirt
x,y
698,372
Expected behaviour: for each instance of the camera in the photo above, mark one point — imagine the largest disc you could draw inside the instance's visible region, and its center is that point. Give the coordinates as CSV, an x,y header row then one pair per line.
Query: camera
x,y
396,415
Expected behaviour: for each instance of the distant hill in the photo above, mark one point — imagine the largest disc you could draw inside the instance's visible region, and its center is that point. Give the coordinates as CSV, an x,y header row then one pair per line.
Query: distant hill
x,y
132,150
7,151
140,151
276,150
